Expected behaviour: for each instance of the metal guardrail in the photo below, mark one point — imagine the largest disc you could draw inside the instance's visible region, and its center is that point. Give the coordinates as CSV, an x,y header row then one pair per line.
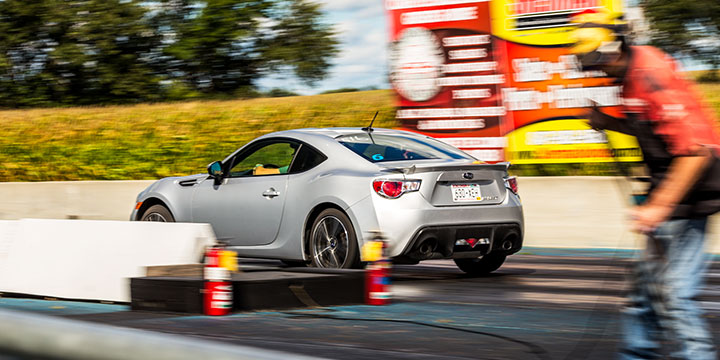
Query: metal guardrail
x,y
25,335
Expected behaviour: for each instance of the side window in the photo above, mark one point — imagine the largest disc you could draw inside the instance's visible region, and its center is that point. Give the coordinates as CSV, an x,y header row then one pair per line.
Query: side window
x,y
268,159
306,159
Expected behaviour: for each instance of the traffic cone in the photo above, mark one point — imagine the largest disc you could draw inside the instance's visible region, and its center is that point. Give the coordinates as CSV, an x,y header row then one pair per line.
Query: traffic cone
x,y
218,295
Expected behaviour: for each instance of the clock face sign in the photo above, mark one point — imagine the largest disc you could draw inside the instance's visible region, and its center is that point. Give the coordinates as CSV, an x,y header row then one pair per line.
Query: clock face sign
x,y
416,61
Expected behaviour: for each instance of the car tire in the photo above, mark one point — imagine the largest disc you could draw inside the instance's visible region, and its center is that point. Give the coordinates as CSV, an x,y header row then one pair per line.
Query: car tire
x,y
158,213
332,242
481,266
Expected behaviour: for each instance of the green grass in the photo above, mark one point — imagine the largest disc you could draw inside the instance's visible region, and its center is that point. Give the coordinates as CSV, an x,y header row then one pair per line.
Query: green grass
x,y
711,94
156,140
151,141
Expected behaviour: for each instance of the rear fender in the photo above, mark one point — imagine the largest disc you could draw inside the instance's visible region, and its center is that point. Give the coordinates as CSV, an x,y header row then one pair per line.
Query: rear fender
x,y
325,203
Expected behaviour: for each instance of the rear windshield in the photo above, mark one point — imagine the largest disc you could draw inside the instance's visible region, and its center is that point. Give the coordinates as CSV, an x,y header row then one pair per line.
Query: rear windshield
x,y
380,148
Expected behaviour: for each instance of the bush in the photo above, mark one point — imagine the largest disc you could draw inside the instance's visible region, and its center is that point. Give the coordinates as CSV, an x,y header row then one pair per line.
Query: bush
x,y
341,90
280,93
710,76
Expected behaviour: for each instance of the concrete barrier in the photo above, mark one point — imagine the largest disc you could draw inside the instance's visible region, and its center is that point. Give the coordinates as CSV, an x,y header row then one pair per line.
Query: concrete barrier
x,y
90,200
584,212
91,259
579,212
567,212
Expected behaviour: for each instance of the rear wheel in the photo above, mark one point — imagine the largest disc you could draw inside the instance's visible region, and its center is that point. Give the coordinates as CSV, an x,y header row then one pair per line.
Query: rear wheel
x,y
481,266
333,243
158,213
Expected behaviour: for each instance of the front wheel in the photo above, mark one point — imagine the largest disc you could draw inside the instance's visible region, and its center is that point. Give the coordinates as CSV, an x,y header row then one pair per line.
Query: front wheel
x,y
333,243
481,266
157,213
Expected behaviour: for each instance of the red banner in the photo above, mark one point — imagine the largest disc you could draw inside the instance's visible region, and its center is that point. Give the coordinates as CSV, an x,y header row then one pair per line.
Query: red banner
x,y
444,70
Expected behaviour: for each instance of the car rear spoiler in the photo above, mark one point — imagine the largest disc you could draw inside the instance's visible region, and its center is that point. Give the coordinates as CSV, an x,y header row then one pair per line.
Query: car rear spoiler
x,y
503,166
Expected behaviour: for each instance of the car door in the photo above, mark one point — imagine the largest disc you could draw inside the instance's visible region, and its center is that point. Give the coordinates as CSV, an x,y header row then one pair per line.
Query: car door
x,y
246,207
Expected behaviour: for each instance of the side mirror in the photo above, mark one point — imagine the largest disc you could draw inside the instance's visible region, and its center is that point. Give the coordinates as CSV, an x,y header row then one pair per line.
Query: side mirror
x,y
215,171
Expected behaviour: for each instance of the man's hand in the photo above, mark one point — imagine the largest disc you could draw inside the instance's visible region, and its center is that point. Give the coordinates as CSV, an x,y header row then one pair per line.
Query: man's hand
x,y
596,118
646,218
599,120
684,171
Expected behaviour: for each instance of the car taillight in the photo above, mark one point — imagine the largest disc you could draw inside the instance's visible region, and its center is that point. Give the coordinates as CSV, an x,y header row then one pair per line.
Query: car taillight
x,y
511,183
393,189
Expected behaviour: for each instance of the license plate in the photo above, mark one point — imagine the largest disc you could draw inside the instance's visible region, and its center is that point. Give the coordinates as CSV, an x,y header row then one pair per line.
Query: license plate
x,y
466,192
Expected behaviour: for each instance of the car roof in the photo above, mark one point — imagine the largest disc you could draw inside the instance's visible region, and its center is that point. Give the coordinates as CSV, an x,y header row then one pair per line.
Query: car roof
x,y
324,139
334,132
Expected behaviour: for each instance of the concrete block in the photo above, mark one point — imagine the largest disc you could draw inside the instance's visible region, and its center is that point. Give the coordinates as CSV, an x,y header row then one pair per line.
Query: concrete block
x,y
92,260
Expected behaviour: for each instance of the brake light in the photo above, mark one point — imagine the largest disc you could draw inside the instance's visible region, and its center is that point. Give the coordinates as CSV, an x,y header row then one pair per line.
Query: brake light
x,y
393,189
511,183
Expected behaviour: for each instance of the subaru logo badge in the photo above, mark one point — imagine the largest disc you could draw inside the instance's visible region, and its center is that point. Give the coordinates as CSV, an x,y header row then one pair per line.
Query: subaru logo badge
x,y
468,175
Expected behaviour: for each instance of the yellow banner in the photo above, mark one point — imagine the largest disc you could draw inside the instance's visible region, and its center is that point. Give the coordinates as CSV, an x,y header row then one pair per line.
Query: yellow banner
x,y
540,22
546,92
569,141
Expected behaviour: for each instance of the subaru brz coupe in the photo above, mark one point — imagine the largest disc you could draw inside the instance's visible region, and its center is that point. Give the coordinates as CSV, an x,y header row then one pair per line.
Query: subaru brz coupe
x,y
315,196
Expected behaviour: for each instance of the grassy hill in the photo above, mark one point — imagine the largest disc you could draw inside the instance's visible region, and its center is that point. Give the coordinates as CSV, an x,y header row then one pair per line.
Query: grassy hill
x,y
156,140
711,94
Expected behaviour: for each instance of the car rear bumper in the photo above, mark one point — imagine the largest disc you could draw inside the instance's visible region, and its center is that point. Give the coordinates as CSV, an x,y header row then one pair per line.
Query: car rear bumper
x,y
443,242
403,221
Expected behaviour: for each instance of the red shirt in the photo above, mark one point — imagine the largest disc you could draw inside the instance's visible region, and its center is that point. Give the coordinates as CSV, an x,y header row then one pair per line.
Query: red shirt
x,y
654,91
666,115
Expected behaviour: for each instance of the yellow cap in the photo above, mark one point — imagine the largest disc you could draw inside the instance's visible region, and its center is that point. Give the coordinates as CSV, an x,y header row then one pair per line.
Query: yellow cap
x,y
372,251
594,28
228,260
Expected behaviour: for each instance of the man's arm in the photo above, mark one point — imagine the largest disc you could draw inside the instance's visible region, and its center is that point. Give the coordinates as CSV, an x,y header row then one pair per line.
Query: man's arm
x,y
599,120
683,173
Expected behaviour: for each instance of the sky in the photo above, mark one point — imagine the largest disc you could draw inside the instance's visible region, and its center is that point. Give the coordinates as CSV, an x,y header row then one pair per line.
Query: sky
x,y
362,31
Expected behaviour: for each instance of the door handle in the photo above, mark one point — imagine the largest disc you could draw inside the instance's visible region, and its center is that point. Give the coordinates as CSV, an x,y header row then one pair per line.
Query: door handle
x,y
271,193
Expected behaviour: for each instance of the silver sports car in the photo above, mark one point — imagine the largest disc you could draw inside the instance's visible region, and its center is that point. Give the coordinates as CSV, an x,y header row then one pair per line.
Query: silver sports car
x,y
315,196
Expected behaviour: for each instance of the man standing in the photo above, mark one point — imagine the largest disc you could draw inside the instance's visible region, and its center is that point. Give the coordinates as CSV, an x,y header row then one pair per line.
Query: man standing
x,y
680,147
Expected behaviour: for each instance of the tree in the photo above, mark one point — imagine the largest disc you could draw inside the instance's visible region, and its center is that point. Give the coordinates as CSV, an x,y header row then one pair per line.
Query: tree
x,y
686,28
75,52
225,46
55,52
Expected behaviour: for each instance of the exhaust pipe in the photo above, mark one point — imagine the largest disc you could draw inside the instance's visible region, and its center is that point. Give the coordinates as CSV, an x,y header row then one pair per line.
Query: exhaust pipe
x,y
509,241
507,245
427,247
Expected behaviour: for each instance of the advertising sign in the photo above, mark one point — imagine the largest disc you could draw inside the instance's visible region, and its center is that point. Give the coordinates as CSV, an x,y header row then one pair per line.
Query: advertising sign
x,y
444,69
546,94
495,79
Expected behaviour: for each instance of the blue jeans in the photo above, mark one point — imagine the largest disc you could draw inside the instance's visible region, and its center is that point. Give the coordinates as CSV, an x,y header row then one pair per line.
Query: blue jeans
x,y
660,306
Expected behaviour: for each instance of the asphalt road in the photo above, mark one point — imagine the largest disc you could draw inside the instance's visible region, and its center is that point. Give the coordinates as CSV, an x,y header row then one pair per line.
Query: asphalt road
x,y
535,307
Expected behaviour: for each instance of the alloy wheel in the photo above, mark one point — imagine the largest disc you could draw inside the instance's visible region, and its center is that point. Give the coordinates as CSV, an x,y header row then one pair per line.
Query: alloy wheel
x,y
330,243
155,217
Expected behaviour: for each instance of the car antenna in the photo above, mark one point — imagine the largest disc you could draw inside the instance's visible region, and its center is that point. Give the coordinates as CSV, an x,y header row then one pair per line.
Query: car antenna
x,y
369,129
